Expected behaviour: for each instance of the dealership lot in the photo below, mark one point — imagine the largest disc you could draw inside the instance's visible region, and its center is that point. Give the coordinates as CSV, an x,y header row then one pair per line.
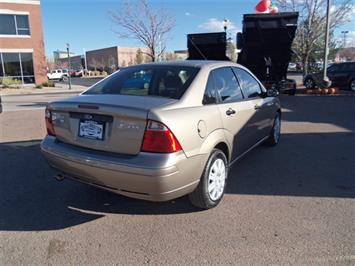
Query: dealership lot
x,y
294,203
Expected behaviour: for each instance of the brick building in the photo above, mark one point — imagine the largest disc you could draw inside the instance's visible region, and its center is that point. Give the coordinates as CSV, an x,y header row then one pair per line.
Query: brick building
x,y
22,54
110,59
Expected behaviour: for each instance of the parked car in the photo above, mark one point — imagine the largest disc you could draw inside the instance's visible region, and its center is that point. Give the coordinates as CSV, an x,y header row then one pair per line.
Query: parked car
x,y
292,66
176,133
58,74
77,73
341,75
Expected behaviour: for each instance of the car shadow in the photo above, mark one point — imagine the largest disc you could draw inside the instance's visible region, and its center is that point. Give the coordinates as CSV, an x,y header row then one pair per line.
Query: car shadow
x,y
31,199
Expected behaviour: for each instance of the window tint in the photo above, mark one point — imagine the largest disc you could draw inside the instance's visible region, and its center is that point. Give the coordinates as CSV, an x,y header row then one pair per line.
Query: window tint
x,y
12,64
349,67
148,80
250,86
210,96
137,83
333,68
23,27
227,85
27,67
7,24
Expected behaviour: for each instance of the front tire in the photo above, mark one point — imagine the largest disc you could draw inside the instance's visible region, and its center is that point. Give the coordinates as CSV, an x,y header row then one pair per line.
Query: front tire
x,y
309,83
274,137
210,190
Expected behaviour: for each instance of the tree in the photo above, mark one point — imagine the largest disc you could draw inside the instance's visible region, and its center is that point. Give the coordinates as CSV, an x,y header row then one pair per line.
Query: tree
x,y
171,56
231,51
309,40
138,20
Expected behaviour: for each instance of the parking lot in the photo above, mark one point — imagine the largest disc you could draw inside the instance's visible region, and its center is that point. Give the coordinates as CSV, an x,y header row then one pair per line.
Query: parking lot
x,y
292,204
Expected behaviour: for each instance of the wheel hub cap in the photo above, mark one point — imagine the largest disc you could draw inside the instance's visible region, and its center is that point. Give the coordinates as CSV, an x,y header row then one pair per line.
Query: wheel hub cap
x,y
216,179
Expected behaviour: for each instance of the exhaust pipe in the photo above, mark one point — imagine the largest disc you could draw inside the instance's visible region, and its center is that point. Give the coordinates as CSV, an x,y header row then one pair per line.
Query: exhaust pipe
x,y
59,177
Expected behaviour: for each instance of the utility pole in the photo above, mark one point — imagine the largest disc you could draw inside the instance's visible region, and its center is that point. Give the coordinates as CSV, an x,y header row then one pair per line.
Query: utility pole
x,y
344,32
69,77
325,63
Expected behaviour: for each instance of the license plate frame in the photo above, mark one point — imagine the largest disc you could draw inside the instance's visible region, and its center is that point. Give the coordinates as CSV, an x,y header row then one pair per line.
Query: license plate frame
x,y
91,129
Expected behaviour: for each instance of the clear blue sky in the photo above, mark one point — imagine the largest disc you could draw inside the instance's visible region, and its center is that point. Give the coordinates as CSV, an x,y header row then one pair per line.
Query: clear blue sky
x,y
86,24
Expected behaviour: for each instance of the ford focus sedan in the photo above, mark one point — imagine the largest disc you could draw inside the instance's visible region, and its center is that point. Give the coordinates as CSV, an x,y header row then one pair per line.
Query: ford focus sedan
x,y
162,130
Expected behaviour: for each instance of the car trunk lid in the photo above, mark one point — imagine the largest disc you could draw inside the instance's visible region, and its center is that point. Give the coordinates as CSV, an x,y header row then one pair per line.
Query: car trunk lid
x,y
111,123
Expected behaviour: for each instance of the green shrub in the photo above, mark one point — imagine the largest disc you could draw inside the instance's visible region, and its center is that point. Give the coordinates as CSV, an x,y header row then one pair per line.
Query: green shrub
x,y
39,86
10,82
49,83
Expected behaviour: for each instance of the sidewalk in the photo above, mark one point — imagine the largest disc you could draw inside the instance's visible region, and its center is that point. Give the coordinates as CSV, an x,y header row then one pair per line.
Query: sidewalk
x,y
59,88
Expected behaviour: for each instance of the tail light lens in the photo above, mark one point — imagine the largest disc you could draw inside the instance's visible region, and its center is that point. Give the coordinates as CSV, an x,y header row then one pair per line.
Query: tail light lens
x,y
158,138
49,124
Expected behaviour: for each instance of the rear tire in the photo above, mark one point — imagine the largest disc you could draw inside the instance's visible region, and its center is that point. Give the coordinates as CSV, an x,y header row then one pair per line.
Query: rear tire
x,y
274,137
65,78
210,190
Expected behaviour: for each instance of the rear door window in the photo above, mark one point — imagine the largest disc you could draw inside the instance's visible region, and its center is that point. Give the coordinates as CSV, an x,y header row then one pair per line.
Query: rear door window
x,y
210,95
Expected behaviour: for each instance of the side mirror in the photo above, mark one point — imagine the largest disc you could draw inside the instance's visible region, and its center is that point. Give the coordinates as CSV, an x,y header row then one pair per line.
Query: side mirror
x,y
272,93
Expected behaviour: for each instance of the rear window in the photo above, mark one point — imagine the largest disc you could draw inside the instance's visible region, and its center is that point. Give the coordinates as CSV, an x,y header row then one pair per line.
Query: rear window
x,y
148,80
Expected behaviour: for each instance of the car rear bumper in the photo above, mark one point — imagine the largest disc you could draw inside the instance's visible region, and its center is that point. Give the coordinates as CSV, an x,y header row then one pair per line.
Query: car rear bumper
x,y
149,176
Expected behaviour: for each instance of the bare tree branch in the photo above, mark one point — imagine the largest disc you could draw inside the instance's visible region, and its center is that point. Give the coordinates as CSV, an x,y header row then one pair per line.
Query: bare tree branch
x,y
137,20
311,24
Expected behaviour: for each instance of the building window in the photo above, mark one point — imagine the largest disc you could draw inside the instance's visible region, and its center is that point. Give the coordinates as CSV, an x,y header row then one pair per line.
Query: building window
x,y
17,66
14,25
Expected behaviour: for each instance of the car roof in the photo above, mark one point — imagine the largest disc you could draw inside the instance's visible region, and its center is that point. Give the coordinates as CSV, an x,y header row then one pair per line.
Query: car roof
x,y
195,63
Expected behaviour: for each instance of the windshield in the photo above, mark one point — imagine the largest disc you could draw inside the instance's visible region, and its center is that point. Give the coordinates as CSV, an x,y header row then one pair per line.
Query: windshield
x,y
148,80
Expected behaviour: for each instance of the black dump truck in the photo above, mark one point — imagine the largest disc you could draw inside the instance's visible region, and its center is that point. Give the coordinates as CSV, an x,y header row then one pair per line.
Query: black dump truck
x,y
265,47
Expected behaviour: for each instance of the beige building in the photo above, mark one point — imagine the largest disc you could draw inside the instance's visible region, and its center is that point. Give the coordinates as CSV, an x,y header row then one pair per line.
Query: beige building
x,y
112,58
22,55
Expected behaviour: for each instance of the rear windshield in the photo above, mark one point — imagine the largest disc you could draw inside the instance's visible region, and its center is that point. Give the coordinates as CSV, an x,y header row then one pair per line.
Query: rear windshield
x,y
148,80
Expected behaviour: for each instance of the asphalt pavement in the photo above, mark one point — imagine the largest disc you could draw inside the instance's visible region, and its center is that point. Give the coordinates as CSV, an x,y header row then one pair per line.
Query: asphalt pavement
x,y
291,204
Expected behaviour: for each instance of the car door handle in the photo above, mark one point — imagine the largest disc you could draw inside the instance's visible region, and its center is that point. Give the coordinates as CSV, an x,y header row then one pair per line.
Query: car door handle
x,y
257,107
230,111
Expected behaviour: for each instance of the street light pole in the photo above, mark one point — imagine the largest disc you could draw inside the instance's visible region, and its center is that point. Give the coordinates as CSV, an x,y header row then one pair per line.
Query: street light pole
x,y
325,63
225,21
344,37
69,78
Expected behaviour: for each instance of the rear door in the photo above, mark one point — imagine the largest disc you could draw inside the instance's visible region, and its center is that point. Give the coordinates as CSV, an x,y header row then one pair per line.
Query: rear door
x,y
334,73
235,112
263,110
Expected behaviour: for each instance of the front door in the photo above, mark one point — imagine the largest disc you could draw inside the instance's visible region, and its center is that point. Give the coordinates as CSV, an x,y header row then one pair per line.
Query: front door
x,y
262,108
236,113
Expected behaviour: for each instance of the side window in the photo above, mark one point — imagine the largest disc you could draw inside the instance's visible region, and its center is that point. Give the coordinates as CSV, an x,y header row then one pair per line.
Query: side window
x,y
227,85
250,86
333,68
210,96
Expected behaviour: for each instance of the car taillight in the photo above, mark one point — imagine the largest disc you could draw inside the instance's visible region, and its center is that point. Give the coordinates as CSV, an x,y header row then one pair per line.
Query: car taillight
x,y
49,124
159,138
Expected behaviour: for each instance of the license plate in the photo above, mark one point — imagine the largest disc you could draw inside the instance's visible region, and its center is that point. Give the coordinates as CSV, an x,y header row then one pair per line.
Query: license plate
x,y
91,129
